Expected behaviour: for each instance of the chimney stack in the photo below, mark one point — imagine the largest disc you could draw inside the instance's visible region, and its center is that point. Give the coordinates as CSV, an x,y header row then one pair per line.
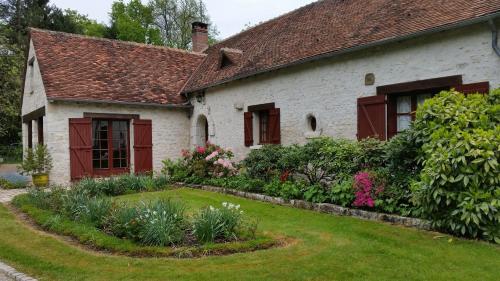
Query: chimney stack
x,y
200,36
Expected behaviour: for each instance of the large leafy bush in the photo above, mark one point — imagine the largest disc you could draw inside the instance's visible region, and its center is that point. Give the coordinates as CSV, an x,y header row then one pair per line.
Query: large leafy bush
x,y
460,181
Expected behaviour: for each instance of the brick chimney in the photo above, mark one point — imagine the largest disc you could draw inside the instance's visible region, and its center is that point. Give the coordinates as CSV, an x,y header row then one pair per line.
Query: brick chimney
x,y
200,36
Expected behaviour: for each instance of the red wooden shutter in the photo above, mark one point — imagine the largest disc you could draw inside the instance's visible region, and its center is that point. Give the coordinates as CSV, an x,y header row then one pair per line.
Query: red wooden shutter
x,y
248,130
80,147
481,88
371,117
274,126
143,146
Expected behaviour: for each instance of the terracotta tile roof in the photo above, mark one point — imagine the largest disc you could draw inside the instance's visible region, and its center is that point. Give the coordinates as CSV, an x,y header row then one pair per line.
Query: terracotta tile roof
x,y
76,67
328,27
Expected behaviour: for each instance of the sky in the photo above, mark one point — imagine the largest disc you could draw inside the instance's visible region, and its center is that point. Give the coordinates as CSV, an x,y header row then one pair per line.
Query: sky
x,y
230,16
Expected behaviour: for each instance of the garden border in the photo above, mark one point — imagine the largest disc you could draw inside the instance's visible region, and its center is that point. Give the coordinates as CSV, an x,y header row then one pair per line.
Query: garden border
x,y
318,207
14,274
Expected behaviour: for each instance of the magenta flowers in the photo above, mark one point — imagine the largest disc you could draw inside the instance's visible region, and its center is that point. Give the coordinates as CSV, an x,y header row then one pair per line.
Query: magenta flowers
x,y
365,191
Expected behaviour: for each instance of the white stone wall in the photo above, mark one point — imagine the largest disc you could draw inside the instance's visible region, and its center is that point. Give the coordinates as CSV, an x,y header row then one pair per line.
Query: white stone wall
x,y
170,132
34,95
329,89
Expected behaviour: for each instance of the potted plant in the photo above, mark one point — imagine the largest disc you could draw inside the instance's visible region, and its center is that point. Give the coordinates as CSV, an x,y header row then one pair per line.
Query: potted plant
x,y
37,162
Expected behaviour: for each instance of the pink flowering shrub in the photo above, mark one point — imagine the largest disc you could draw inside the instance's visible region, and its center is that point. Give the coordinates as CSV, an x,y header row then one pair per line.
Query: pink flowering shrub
x,y
210,160
367,188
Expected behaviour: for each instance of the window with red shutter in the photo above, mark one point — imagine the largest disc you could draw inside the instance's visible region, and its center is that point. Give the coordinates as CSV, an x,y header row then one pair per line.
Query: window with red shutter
x,y
248,128
474,88
371,117
274,126
143,146
80,146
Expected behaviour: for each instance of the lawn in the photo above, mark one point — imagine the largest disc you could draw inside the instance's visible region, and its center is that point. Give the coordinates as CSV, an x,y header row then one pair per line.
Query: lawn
x,y
325,248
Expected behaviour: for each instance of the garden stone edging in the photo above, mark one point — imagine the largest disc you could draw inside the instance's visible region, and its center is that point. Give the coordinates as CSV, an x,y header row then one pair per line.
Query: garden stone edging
x,y
14,274
319,207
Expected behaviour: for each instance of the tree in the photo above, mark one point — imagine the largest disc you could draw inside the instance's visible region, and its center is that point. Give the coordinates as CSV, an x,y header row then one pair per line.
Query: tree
x,y
16,16
134,22
10,84
87,26
174,19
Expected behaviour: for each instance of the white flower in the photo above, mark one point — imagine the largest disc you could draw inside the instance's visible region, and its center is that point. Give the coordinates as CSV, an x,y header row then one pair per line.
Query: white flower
x,y
241,212
237,207
224,204
154,212
212,208
164,212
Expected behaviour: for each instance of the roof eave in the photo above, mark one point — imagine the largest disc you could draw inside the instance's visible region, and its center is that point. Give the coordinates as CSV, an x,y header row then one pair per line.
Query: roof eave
x,y
456,25
172,106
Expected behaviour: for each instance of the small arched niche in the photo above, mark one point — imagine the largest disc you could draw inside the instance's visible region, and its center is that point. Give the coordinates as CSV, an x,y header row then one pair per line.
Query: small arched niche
x,y
202,135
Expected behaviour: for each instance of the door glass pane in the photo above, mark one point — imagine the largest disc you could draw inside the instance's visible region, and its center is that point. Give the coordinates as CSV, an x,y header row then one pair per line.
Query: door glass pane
x,y
404,104
100,144
120,143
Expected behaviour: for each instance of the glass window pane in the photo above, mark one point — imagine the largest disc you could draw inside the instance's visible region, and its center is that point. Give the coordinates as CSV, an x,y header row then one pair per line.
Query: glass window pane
x,y
422,98
95,154
104,144
123,153
404,104
104,154
104,164
403,122
116,163
116,154
103,125
96,164
124,163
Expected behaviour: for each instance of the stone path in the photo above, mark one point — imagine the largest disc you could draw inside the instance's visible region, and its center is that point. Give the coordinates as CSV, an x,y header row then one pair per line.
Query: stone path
x,y
8,273
6,195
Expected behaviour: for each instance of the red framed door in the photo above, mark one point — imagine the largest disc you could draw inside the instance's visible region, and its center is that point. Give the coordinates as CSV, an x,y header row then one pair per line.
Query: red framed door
x,y
110,147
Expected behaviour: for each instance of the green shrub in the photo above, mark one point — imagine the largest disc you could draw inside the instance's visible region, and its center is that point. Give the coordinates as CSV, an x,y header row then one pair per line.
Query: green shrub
x,y
287,190
177,171
372,153
324,159
211,224
316,193
265,163
120,185
342,192
161,223
122,222
47,199
460,182
81,206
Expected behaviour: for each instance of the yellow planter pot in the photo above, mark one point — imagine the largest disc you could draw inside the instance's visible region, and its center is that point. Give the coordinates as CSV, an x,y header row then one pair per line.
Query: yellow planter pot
x,y
40,180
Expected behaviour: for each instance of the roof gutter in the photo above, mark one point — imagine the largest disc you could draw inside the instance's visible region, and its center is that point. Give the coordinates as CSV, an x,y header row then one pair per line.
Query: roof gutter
x,y
171,106
494,36
487,18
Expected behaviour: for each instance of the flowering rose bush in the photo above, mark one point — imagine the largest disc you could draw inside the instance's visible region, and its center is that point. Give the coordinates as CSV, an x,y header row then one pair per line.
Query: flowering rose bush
x,y
205,161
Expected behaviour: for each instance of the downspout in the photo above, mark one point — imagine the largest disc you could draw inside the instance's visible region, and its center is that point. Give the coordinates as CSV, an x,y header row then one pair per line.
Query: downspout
x,y
494,34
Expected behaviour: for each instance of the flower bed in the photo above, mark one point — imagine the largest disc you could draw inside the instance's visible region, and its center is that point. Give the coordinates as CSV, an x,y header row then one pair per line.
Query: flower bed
x,y
153,228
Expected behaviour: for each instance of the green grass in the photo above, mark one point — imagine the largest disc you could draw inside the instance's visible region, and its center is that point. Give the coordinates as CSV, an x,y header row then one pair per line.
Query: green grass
x,y
326,248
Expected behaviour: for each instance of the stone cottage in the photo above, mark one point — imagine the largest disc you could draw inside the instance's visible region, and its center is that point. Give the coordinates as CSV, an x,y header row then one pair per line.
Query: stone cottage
x,y
339,68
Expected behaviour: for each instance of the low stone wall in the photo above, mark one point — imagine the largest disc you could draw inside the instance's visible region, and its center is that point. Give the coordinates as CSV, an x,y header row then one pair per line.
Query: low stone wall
x,y
319,207
14,274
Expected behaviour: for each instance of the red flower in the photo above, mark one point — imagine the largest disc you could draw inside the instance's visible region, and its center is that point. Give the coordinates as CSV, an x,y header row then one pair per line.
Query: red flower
x,y
284,176
200,149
